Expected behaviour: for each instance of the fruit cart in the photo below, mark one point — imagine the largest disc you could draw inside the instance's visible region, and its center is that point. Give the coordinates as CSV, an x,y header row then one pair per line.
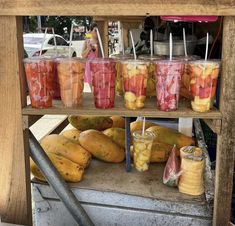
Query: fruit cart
x,y
15,196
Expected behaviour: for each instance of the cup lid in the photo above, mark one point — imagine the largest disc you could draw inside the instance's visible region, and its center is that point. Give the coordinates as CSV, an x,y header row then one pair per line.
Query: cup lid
x,y
102,60
206,62
38,58
133,61
69,59
173,61
151,58
148,135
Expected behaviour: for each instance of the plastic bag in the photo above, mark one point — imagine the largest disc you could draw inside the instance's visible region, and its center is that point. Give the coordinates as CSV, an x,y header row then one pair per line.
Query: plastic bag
x,y
172,169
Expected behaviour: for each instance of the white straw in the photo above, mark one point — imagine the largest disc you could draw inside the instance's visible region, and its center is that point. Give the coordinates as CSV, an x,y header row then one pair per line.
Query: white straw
x,y
70,39
100,42
56,51
44,37
143,127
122,40
133,45
185,43
171,46
207,44
151,42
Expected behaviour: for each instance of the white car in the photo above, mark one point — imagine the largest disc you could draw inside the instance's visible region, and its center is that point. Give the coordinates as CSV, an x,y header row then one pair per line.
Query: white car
x,y
33,43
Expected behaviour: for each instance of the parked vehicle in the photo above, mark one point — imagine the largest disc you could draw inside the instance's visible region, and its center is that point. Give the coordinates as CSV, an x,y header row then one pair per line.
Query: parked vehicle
x,y
33,43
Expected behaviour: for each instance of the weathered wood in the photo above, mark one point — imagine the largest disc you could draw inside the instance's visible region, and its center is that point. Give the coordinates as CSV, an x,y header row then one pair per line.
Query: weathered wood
x,y
103,29
214,125
150,110
15,198
226,141
118,8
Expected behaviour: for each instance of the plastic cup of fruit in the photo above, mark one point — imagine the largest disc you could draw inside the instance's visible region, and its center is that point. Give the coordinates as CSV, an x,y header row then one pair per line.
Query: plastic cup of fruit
x,y
168,78
204,75
185,81
151,83
40,73
135,75
71,79
142,146
103,74
119,80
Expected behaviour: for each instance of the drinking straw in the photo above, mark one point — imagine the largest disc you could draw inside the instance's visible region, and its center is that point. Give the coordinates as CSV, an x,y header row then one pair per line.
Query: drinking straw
x,y
70,39
100,42
171,46
43,40
151,43
53,32
185,44
133,45
143,127
207,44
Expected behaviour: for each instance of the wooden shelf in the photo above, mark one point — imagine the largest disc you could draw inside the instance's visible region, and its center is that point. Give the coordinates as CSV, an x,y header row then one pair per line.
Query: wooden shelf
x,y
150,110
117,8
108,177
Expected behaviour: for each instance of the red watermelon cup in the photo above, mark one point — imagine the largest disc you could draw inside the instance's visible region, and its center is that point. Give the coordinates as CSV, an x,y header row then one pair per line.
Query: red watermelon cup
x,y
135,75
71,78
168,79
203,81
103,74
40,74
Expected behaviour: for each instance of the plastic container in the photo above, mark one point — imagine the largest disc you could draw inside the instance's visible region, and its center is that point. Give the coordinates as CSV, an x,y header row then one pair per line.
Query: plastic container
x,y
40,74
168,78
103,74
203,80
135,75
142,145
71,76
119,80
185,81
151,83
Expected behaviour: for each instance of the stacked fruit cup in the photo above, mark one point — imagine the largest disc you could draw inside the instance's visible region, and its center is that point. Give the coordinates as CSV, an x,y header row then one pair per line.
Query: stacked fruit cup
x,y
103,74
142,145
71,76
204,75
119,79
151,82
40,74
135,75
168,79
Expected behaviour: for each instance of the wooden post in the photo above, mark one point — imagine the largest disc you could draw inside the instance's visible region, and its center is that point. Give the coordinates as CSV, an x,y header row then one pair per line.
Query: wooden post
x,y
15,198
103,28
226,140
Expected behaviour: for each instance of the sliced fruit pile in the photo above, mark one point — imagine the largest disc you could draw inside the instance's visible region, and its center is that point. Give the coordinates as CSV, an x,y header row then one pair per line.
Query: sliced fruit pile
x,y
168,76
40,74
103,75
71,74
203,84
135,83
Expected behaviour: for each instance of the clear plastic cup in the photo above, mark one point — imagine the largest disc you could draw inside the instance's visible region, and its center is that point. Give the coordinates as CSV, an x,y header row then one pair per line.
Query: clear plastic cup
x,y
71,79
135,75
204,75
142,146
168,79
185,81
119,80
40,73
103,74
151,83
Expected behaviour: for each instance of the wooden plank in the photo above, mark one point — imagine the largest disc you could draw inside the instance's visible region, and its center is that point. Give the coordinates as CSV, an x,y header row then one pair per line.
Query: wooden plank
x,y
214,125
103,29
118,8
226,140
15,198
150,110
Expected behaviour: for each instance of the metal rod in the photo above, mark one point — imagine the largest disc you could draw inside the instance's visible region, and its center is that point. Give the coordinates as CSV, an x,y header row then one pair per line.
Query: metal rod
x,y
57,183
127,144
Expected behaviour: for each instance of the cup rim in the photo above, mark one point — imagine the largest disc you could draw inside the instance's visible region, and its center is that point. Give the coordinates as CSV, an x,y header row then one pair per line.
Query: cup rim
x,y
201,61
67,59
151,135
150,58
167,61
133,61
102,60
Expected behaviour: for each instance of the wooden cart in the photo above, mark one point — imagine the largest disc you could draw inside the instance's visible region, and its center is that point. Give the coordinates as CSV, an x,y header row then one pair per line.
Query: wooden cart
x,y
15,197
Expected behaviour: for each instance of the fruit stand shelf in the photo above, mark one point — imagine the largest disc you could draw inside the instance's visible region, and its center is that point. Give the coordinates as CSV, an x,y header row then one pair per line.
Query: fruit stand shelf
x,y
150,110
108,186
